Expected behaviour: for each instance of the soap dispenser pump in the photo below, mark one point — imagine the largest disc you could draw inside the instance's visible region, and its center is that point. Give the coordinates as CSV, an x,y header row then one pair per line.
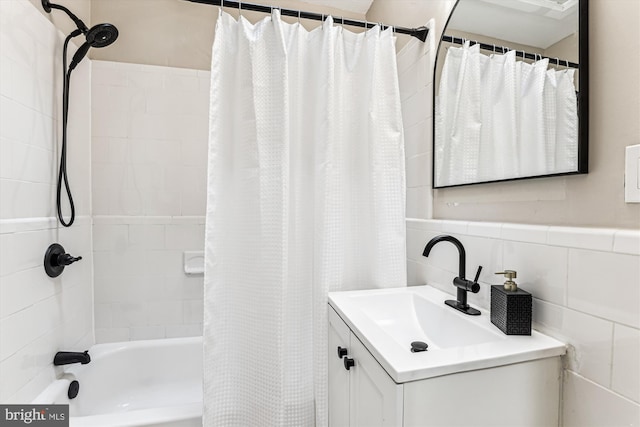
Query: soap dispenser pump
x,y
511,308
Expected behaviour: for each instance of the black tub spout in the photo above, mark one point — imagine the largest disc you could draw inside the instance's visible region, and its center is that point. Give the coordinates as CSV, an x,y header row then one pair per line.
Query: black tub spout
x,y
69,357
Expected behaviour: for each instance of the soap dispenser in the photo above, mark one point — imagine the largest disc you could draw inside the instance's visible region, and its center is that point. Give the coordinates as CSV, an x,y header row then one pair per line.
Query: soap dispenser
x,y
511,307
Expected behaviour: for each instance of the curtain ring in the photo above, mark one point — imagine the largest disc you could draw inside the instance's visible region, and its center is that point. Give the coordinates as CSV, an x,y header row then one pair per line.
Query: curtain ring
x,y
239,8
298,16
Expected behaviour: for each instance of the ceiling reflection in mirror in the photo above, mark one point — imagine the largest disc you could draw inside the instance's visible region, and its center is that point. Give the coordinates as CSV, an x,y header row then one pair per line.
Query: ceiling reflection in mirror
x,y
507,92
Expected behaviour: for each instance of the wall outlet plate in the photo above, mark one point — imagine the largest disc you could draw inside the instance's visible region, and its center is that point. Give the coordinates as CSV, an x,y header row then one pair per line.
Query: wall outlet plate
x,y
632,174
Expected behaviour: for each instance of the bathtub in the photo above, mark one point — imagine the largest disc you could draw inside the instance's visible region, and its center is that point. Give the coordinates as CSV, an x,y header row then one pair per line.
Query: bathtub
x,y
137,383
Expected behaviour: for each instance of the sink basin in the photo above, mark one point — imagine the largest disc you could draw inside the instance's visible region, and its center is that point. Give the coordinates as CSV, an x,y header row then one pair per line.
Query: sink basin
x,y
388,320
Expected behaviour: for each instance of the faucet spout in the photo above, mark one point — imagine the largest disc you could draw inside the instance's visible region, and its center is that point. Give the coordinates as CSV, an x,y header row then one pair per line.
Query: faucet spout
x,y
461,283
462,255
69,357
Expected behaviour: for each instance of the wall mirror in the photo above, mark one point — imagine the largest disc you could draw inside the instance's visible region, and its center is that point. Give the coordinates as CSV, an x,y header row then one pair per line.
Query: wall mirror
x,y
510,92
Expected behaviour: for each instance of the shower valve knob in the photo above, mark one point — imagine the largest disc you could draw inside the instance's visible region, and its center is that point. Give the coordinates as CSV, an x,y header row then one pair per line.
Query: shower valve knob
x,y
56,259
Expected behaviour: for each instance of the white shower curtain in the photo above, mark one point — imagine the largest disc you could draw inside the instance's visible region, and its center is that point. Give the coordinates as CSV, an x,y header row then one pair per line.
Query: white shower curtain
x,y
305,196
498,118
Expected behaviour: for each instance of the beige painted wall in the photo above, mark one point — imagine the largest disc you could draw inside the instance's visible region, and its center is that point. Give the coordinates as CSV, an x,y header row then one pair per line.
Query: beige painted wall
x,y
596,199
175,33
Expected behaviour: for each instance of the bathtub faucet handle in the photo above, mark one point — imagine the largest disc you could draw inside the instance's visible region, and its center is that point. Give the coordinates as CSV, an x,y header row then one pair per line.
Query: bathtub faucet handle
x,y
56,259
67,259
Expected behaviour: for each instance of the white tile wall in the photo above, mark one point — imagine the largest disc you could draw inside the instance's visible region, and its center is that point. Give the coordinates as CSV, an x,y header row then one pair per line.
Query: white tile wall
x,y
626,358
149,196
585,284
141,290
150,137
587,404
39,315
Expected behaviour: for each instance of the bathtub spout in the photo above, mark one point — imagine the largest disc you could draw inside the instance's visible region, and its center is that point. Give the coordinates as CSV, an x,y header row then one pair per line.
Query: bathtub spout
x,y
68,357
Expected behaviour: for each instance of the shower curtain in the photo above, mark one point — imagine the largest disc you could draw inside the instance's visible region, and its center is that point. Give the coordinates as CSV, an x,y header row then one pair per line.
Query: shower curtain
x,y
305,196
498,118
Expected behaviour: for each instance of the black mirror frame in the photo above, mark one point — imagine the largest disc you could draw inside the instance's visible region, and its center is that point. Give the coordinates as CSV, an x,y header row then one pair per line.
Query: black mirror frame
x,y
583,104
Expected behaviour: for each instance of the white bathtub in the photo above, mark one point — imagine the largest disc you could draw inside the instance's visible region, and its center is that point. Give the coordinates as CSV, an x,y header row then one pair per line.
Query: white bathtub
x,y
137,383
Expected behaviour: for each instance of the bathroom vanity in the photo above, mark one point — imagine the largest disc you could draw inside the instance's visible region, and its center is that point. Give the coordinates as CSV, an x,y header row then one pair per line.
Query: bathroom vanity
x,y
470,374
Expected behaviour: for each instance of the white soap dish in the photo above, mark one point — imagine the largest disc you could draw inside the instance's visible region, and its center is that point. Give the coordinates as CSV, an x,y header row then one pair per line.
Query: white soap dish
x,y
193,262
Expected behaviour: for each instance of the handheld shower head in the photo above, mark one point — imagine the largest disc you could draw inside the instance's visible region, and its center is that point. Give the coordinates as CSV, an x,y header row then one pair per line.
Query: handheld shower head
x,y
100,35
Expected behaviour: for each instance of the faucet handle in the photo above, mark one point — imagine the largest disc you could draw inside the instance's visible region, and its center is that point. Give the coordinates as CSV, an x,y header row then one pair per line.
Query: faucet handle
x,y
478,274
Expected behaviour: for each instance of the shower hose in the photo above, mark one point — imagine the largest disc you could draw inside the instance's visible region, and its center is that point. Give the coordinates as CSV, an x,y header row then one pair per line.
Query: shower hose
x,y
62,173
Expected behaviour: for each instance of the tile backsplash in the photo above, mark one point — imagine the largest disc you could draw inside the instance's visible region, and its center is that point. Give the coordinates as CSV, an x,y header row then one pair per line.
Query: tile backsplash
x,y
586,288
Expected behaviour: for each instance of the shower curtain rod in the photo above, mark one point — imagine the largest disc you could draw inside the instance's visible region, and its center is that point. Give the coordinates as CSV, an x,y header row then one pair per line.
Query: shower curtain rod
x,y
420,32
520,53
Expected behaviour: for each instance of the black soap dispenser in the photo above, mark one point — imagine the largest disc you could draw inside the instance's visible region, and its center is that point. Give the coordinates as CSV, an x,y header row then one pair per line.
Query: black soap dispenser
x,y
511,307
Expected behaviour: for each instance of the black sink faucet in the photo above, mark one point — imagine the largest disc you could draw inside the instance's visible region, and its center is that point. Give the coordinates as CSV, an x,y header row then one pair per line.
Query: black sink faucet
x,y
68,357
459,282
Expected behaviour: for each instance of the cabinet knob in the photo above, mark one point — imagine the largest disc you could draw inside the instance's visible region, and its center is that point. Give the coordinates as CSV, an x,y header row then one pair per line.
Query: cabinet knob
x,y
349,363
342,352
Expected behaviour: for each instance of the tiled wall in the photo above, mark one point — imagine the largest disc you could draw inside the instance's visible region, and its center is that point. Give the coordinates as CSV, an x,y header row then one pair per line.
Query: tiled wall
x,y
39,315
141,290
149,193
415,68
585,284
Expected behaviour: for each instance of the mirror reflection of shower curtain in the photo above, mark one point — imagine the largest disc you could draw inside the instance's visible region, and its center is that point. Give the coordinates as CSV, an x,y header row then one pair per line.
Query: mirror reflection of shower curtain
x,y
305,196
499,118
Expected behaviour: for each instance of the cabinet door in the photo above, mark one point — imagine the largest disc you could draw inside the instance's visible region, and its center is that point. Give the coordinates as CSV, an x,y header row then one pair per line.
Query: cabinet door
x,y
375,399
339,336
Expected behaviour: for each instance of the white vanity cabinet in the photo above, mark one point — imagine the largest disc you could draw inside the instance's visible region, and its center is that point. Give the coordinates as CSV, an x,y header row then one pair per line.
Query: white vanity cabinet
x,y
518,394
363,395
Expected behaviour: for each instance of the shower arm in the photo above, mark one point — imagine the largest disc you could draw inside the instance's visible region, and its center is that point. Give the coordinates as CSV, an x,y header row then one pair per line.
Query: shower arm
x,y
47,6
